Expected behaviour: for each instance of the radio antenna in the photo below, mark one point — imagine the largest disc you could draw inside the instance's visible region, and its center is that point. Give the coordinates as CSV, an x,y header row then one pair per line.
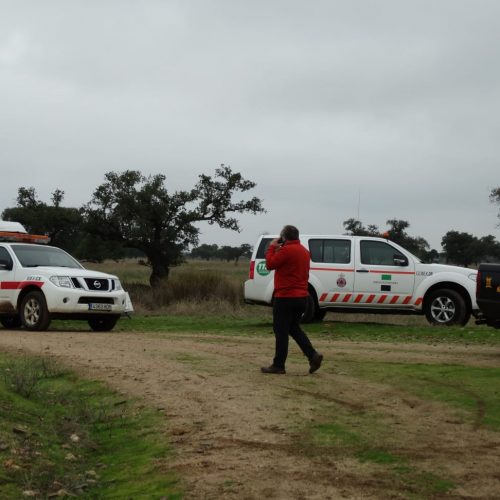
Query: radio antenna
x,y
359,204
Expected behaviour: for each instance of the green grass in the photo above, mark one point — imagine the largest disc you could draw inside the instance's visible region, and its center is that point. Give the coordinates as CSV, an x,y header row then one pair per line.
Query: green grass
x,y
475,391
60,433
259,325
335,437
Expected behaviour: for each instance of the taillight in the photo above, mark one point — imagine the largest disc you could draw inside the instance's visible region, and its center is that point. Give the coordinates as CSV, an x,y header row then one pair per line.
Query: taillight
x,y
478,283
251,272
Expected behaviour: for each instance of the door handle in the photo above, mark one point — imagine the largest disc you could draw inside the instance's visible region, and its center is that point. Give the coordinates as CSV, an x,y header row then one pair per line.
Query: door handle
x,y
362,270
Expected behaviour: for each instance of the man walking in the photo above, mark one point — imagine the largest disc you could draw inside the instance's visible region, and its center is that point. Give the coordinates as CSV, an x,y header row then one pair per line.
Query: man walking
x,y
291,261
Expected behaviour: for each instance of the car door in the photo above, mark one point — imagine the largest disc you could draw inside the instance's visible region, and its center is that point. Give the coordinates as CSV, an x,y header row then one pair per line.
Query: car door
x,y
332,269
6,278
384,275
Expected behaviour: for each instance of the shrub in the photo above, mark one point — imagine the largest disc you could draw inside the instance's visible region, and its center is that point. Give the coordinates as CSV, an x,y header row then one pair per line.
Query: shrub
x,y
194,287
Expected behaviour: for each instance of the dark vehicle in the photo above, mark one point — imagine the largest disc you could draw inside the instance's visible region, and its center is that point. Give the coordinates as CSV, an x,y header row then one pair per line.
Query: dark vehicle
x,y
488,294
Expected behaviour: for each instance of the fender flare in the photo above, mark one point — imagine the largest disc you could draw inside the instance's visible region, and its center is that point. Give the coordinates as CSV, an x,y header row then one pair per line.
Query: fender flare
x,y
462,284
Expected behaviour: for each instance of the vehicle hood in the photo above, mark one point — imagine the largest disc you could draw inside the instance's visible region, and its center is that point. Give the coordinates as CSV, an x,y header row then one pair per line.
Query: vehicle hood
x,y
444,268
67,271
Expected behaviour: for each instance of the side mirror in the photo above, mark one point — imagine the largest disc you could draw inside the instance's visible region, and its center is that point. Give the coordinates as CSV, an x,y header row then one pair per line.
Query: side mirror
x,y
400,260
5,265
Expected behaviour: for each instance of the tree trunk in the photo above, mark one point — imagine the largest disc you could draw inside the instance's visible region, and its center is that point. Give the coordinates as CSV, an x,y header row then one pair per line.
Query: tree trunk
x,y
159,270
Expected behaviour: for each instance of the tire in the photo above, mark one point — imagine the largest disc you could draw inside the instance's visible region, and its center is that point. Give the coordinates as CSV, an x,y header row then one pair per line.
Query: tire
x,y
103,324
446,307
11,322
311,310
34,313
320,315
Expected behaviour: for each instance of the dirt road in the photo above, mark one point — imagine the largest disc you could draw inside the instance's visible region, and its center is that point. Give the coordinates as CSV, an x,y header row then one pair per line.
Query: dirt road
x,y
240,434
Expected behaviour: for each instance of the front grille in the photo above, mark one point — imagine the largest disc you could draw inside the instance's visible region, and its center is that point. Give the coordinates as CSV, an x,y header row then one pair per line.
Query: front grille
x,y
98,285
96,300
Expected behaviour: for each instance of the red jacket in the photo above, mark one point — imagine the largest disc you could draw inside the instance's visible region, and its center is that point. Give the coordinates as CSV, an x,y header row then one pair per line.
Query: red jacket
x,y
291,263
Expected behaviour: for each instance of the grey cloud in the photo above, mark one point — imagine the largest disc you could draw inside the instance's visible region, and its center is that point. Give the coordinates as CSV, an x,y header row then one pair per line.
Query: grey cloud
x,y
315,101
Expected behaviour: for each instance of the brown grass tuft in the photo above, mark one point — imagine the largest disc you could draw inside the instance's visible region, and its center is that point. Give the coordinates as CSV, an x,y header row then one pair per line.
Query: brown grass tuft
x,y
188,288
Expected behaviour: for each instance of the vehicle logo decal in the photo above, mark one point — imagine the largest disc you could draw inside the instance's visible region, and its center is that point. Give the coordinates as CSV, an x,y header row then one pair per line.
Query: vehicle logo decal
x,y
97,284
341,281
386,277
262,269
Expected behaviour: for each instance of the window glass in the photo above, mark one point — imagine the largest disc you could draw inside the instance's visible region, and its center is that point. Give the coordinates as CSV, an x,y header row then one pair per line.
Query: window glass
x,y
379,253
37,256
331,251
5,258
264,245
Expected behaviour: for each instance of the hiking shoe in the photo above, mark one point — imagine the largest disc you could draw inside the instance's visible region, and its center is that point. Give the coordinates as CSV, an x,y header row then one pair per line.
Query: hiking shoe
x,y
315,362
273,369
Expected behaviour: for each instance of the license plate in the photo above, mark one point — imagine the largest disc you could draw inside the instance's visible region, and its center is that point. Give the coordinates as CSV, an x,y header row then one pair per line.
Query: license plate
x,y
99,307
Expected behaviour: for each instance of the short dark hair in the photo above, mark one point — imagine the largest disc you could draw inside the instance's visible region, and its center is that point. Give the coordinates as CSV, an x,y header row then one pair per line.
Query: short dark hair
x,y
290,233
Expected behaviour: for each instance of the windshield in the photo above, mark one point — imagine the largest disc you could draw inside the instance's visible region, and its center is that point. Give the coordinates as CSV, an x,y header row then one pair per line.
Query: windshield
x,y
37,256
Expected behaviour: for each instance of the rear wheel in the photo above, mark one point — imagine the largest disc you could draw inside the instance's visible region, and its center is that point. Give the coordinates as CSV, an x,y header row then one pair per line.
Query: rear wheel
x,y
104,324
11,322
446,307
312,313
320,315
34,313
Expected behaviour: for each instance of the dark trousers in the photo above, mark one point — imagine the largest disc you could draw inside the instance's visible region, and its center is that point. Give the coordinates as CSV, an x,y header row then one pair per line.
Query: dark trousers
x,y
287,312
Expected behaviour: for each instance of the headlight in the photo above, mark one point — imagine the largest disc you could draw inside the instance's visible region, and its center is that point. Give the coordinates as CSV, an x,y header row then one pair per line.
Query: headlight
x,y
118,285
473,276
63,281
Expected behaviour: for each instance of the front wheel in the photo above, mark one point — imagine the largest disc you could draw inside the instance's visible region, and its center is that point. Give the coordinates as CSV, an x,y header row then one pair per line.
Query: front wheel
x,y
34,313
104,324
445,308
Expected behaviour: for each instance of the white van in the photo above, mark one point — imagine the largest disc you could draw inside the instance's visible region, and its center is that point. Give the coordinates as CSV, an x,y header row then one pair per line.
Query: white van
x,y
366,274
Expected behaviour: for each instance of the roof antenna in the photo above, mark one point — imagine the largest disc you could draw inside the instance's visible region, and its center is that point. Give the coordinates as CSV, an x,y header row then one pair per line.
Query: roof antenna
x,y
359,203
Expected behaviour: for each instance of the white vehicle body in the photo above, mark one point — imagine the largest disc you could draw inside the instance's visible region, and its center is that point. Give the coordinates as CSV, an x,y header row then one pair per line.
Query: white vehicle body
x,y
366,274
64,287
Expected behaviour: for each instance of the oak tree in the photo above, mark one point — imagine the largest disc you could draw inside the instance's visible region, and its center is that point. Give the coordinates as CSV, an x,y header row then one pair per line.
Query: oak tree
x,y
139,212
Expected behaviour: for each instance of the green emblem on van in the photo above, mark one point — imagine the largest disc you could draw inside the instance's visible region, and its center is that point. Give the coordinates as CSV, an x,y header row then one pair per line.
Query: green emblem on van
x,y
262,269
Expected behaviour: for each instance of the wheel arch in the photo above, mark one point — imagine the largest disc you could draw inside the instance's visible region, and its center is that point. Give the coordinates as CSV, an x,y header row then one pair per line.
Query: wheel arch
x,y
25,291
448,285
313,293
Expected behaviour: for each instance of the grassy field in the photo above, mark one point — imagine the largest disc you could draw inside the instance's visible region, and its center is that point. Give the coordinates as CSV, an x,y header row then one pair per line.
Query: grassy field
x,y
61,436
132,271
403,408
349,327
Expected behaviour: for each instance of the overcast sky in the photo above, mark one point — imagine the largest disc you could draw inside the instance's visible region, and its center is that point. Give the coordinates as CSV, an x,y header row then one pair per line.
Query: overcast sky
x,y
380,109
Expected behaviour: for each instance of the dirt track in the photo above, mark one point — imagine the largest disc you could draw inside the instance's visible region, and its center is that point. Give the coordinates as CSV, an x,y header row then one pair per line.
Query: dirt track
x,y
238,434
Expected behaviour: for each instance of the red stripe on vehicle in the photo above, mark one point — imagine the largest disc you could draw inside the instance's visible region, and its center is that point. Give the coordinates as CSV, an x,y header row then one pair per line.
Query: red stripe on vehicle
x,y
323,297
381,299
335,297
394,299
418,301
357,300
347,297
18,285
369,300
331,269
407,300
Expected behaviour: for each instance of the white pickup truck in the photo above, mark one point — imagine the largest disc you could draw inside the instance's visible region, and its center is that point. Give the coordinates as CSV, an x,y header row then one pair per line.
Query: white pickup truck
x,y
366,274
39,283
